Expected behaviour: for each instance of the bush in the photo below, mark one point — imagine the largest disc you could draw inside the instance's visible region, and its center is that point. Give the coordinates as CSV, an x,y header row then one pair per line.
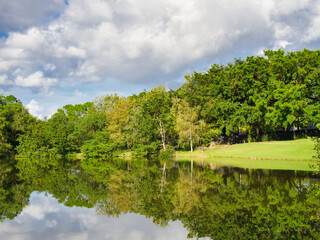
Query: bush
x,y
151,150
167,154
99,146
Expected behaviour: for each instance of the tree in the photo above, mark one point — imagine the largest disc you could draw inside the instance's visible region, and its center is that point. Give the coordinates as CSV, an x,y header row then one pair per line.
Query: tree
x,y
86,127
118,121
150,120
187,124
15,121
157,105
317,148
99,146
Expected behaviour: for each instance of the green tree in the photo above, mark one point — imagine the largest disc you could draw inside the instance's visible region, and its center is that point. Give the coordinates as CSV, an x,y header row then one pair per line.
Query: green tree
x,y
15,121
118,121
157,105
187,124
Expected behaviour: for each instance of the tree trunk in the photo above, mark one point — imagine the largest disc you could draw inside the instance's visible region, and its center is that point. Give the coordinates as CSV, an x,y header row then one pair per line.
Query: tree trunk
x,y
163,135
191,169
163,179
191,143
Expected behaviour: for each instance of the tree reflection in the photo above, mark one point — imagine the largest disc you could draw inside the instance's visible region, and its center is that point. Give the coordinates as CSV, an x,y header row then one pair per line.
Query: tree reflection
x,y
211,202
14,193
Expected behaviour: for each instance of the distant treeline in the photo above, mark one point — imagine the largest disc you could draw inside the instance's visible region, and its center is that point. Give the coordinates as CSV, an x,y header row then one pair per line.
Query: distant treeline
x,y
257,95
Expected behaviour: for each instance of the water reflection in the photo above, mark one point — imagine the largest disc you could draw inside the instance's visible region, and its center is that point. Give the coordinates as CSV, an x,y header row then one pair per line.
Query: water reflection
x,y
45,218
153,200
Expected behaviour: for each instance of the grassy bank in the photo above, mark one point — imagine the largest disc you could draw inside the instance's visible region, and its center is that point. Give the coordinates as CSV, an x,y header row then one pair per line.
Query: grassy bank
x,y
294,155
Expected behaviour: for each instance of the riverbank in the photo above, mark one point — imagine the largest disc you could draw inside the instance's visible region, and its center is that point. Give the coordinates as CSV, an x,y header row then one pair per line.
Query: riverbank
x,y
302,149
294,155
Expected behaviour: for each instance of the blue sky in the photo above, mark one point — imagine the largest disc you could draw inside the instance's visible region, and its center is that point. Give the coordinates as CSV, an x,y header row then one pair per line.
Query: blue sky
x,y
57,52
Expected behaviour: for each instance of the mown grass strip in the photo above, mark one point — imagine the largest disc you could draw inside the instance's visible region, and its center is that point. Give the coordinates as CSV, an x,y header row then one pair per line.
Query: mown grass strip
x,y
302,149
289,155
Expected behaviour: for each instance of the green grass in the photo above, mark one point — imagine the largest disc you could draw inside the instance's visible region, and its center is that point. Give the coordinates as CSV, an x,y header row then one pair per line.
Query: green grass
x,y
293,155
302,149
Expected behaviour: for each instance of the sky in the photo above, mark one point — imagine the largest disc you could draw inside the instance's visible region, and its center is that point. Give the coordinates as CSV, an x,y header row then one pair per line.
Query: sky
x,y
44,218
58,52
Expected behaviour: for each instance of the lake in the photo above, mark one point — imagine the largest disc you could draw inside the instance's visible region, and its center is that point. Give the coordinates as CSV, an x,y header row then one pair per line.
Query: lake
x,y
154,199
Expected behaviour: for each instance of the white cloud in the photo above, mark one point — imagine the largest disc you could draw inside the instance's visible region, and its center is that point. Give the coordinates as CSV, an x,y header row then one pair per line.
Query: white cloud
x,y
51,223
32,39
52,110
79,94
69,52
85,12
3,79
49,67
35,109
86,71
12,53
313,30
36,79
285,7
142,41
40,207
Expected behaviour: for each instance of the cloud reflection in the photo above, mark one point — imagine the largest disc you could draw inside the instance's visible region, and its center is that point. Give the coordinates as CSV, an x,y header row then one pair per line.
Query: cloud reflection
x,y
44,218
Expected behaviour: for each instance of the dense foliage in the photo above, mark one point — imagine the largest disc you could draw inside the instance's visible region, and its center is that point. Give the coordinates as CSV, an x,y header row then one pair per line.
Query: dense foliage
x,y
15,122
258,95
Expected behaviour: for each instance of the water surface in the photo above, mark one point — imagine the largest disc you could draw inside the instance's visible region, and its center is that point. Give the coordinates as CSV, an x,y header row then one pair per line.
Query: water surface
x,y
140,199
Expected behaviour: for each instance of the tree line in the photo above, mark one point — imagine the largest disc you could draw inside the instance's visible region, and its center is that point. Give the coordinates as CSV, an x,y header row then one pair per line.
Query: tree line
x,y
257,95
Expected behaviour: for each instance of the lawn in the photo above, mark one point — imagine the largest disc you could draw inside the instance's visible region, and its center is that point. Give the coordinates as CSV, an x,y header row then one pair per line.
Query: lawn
x,y
294,155
302,149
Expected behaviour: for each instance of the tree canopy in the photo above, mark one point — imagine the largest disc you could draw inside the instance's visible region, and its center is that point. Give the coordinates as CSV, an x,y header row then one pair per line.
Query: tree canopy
x,y
259,96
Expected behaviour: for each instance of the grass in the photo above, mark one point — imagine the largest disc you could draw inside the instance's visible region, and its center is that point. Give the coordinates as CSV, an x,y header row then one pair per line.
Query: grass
x,y
293,155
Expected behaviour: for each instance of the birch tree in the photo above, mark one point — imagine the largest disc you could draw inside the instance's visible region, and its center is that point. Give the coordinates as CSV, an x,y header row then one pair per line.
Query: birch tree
x,y
158,104
187,124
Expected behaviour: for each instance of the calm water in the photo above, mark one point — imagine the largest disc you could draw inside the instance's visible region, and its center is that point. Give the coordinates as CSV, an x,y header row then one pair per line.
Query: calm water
x,y
140,199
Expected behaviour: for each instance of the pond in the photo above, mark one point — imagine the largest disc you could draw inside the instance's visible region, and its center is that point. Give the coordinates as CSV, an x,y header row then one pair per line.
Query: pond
x,y
144,199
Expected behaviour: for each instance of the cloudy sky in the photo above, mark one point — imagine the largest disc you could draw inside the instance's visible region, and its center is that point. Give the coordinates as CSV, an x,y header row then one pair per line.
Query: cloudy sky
x,y
57,52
